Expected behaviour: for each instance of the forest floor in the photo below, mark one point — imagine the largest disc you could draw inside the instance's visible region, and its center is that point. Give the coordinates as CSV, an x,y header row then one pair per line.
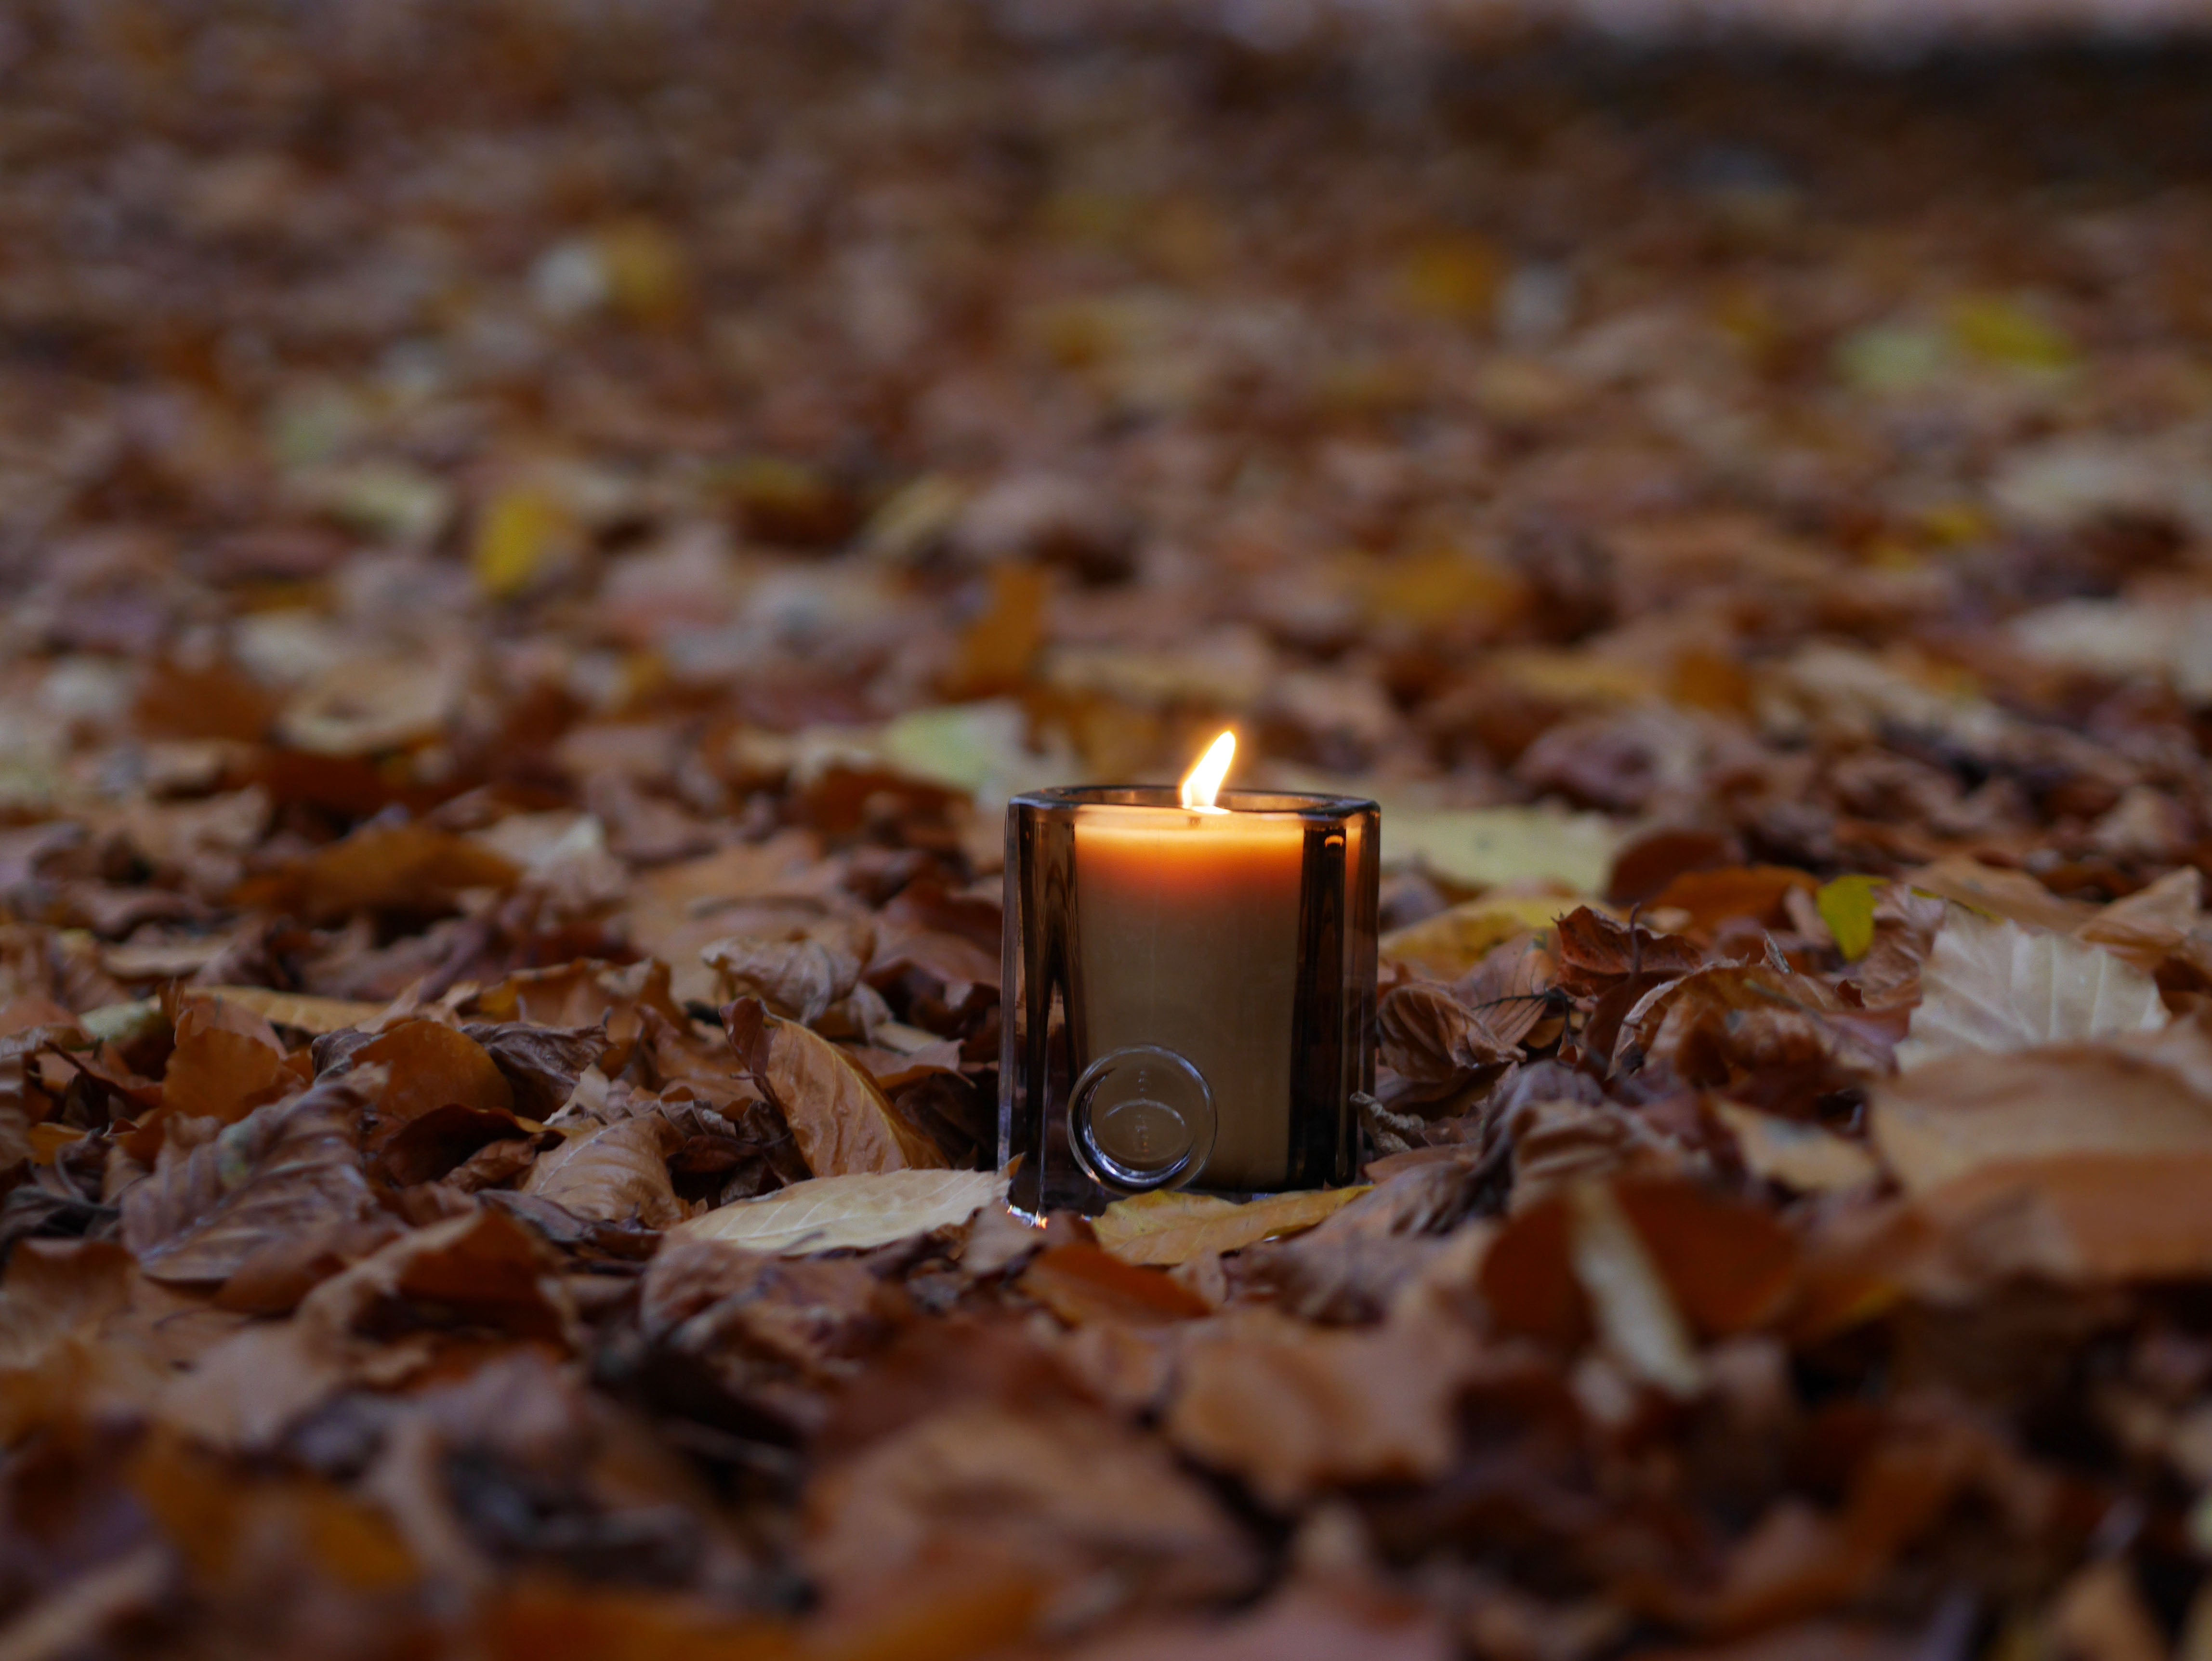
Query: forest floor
x,y
536,543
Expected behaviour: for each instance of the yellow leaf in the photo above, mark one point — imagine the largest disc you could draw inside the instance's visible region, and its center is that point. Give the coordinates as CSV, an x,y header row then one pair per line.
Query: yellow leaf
x,y
1455,276
1443,586
2003,331
647,273
522,532
1846,906
1166,1229
1452,942
1482,847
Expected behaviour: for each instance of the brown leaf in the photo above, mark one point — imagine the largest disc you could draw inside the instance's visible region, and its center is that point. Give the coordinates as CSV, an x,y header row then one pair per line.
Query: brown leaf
x,y
799,973
285,1169
1290,1409
1712,897
408,865
1301,1622
2007,895
843,1124
481,1268
1430,1037
297,1011
1082,1283
2093,1218
429,1146
617,1173
1067,1492
1718,1025
427,1066
1595,951
541,1064
1942,1121
227,1060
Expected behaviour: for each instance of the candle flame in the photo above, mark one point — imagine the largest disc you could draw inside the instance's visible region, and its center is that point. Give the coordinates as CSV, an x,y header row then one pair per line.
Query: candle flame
x,y
1203,782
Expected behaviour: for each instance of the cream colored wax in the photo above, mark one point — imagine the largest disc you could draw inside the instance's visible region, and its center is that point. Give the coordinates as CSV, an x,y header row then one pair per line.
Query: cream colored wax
x,y
1188,925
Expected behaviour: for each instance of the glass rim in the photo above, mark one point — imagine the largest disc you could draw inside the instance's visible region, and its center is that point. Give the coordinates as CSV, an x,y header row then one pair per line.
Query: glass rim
x,y
1253,804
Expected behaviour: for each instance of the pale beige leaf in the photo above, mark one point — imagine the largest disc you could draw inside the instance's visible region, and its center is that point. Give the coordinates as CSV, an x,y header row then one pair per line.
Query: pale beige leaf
x,y
1480,847
1633,1310
1167,1229
1997,986
1804,1157
1937,1122
832,1213
298,1011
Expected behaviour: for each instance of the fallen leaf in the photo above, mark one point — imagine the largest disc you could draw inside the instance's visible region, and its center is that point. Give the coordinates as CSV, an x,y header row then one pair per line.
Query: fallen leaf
x,y
1069,1491
227,1060
798,974
852,1213
1082,1283
1951,1116
618,1172
427,1065
1712,897
1997,986
2009,895
541,1064
1718,1025
1799,1156
299,1011
1169,1228
1290,1409
1846,906
287,1170
1430,1036
1631,1307
1455,940
843,1124
406,865
1480,847
2087,1217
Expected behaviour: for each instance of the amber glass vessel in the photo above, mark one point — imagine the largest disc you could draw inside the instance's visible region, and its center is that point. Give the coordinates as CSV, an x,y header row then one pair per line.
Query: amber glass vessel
x,y
1190,993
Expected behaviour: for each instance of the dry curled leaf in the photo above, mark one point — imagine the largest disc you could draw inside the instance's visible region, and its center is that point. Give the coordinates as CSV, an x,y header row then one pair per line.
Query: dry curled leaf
x,y
1431,1036
797,974
617,1173
843,1122
286,1171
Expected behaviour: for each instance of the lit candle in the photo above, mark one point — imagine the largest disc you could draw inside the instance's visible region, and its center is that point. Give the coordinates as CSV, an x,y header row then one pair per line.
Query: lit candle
x,y
1189,985
1187,930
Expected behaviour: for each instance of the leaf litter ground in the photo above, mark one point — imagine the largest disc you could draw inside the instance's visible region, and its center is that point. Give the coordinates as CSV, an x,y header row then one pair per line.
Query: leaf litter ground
x,y
537,542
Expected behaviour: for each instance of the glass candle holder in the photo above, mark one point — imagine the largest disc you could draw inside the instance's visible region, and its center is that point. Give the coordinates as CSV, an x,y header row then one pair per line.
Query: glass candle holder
x,y
1190,993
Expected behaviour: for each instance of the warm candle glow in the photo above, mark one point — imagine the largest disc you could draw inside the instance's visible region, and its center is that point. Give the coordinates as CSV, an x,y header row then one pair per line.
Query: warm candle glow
x,y
1203,782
